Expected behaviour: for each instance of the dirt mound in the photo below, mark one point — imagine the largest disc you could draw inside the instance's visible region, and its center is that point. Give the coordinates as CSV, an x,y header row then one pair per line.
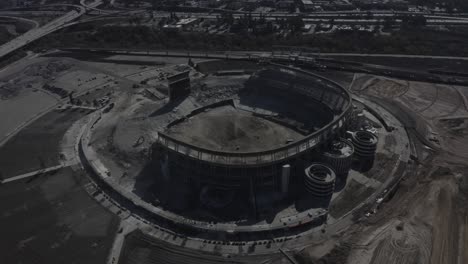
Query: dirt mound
x,y
228,129
216,89
386,88
49,69
8,90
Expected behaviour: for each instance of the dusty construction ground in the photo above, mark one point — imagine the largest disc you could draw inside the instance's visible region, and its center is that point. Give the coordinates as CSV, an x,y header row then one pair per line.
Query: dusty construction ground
x,y
425,221
228,129
37,143
50,217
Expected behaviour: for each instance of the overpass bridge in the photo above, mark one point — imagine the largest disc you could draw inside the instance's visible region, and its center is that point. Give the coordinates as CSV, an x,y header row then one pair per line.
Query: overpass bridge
x,y
69,18
39,32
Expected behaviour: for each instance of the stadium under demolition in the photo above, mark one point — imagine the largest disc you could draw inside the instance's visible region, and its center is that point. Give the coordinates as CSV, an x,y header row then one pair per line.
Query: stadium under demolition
x,y
208,160
235,156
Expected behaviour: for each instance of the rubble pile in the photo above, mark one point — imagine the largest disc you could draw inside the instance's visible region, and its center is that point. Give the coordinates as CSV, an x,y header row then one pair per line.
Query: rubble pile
x,y
8,90
48,69
205,94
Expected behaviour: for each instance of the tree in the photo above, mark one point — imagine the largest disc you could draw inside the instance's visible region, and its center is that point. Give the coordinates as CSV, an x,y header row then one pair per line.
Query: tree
x,y
126,3
227,18
296,23
416,21
388,22
157,4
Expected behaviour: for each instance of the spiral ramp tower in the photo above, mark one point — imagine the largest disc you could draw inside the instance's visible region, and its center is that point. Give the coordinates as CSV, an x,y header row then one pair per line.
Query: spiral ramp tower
x,y
339,156
319,181
365,147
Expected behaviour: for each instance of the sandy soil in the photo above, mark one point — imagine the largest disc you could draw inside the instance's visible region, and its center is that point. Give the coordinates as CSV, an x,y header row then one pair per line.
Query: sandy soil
x,y
51,219
21,95
37,145
425,221
228,129
14,113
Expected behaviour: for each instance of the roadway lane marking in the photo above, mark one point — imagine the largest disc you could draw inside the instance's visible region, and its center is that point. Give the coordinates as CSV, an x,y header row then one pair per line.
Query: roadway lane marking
x,y
37,172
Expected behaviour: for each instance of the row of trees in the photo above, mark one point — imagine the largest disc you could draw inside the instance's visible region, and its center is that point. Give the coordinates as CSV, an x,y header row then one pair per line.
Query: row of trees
x,y
409,40
260,25
407,21
450,5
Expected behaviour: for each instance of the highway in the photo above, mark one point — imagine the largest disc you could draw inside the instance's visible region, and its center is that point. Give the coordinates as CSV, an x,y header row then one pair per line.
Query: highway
x,y
339,18
31,13
39,32
93,6
307,58
247,54
309,19
315,18
34,24
328,15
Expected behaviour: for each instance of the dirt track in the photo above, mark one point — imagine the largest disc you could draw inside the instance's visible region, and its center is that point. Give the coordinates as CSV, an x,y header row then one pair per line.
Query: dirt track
x,y
426,220
445,227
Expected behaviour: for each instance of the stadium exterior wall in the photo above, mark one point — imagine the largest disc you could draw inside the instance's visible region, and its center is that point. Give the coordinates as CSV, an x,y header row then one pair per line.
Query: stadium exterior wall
x,y
201,166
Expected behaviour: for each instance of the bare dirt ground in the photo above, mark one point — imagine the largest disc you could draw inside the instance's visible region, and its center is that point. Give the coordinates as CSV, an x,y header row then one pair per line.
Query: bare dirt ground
x,y
343,78
412,63
425,221
228,129
354,194
21,93
52,219
37,145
